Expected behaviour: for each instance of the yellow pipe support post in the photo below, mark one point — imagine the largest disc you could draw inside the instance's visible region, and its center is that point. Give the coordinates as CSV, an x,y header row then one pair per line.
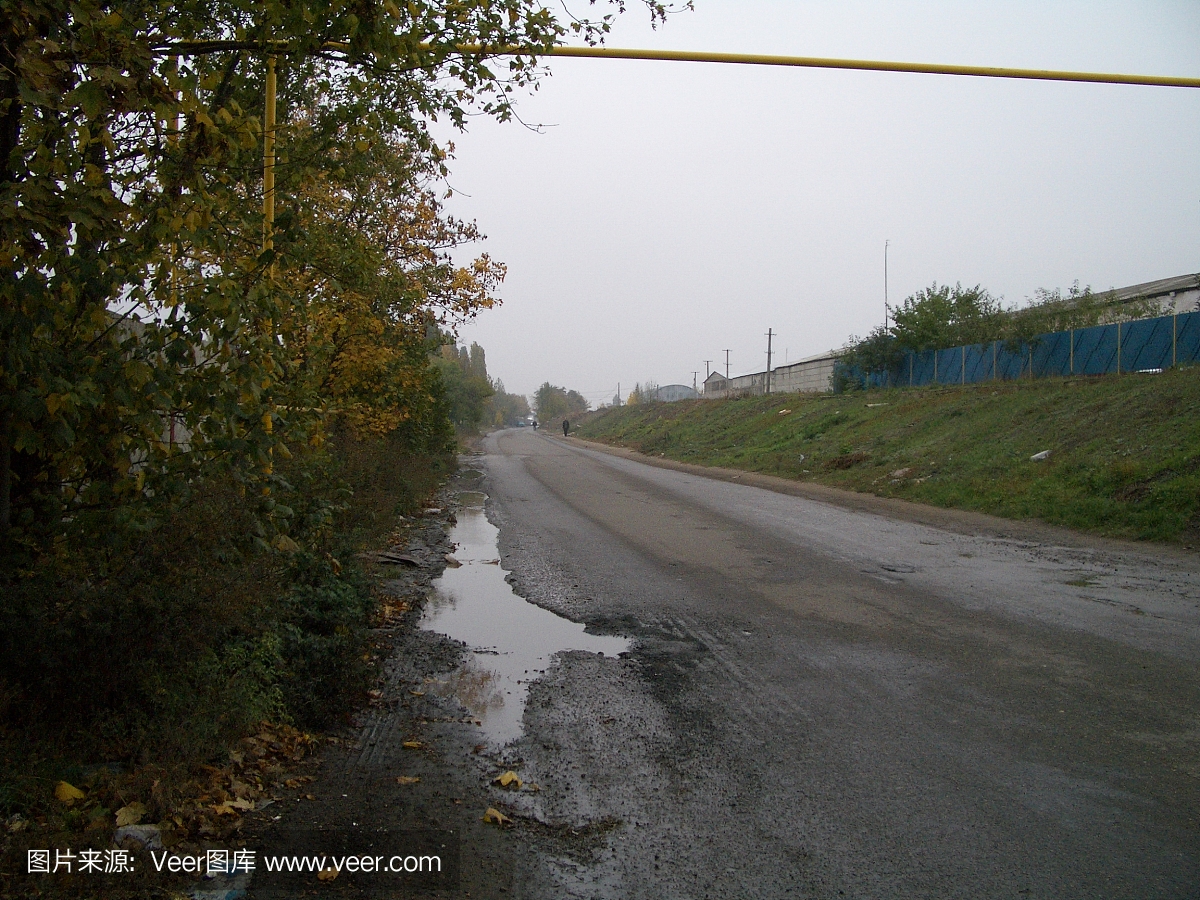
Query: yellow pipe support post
x,y
268,419
269,159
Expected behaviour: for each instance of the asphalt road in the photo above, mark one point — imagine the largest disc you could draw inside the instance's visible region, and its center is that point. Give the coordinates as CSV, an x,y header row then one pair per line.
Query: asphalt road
x,y
824,701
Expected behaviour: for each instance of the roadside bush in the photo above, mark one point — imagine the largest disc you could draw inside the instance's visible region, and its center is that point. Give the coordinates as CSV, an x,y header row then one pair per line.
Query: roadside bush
x,y
108,636
322,632
167,642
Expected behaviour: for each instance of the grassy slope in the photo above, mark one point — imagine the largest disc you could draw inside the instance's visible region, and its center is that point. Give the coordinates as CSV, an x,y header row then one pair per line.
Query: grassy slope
x,y
1125,455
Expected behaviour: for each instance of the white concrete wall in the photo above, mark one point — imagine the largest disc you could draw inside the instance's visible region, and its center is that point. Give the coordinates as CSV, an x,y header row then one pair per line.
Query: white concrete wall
x,y
812,375
807,376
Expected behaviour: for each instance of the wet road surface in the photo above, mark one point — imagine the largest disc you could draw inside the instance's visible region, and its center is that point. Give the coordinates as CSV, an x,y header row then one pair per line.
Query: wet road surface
x,y
824,702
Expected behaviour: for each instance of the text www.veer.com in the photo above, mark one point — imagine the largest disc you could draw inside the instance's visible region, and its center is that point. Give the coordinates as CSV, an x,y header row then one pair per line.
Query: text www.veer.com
x,y
354,863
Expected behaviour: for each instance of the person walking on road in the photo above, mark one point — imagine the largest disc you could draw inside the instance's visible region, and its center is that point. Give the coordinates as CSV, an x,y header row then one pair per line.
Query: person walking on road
x,y
566,427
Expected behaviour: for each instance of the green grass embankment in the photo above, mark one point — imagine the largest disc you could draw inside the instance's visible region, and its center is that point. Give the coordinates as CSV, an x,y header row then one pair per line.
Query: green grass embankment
x,y
1124,461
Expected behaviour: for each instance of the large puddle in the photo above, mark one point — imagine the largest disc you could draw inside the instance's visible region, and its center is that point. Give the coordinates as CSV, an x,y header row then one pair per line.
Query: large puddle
x,y
512,641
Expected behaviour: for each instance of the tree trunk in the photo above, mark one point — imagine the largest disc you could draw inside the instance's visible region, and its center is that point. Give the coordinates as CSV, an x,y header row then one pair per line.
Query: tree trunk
x,y
5,474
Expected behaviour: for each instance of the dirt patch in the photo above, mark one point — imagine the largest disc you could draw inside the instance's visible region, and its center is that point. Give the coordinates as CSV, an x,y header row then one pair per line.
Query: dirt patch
x,y
847,460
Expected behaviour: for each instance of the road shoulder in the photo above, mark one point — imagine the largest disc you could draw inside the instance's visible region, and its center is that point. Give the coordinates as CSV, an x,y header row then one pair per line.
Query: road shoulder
x,y
953,520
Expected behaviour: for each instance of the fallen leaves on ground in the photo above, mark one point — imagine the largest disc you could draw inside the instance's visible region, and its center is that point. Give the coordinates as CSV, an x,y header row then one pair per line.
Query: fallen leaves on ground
x,y
412,745
508,779
327,874
212,807
389,609
408,779
202,806
131,814
233,807
67,793
495,817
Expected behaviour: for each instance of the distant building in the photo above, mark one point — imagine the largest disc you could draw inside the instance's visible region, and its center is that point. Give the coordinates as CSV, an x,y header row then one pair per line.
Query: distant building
x,y
1177,295
715,385
810,375
669,393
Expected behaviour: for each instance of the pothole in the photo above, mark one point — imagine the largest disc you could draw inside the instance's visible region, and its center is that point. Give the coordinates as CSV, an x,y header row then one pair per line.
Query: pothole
x,y
512,641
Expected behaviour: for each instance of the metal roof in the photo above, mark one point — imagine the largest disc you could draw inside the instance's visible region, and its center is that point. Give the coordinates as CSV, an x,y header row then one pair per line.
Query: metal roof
x,y
1161,288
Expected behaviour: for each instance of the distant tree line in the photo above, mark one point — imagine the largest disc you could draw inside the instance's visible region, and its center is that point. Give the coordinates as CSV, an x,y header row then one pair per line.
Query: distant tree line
x,y
643,392
553,402
474,398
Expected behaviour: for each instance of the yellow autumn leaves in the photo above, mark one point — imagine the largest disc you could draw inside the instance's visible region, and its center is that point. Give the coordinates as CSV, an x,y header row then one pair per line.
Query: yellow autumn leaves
x,y
131,814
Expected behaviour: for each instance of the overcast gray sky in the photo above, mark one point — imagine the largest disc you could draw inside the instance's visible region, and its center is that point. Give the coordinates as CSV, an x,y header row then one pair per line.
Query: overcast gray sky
x,y
669,211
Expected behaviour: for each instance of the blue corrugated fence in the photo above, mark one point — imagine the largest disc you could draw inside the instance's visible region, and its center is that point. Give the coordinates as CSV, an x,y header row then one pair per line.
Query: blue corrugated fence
x,y
1140,345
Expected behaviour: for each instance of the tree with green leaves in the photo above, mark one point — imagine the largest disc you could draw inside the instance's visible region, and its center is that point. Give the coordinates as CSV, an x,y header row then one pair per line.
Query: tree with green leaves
x,y
142,282
503,409
944,316
465,383
553,402
217,318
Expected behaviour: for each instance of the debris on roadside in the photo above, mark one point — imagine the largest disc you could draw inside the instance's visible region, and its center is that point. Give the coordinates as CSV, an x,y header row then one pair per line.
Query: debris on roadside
x,y
493,816
508,780
139,837
388,557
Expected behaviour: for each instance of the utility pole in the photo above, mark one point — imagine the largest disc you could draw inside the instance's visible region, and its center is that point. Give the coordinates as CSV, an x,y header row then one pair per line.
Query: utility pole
x,y
726,370
885,285
767,385
694,388
707,371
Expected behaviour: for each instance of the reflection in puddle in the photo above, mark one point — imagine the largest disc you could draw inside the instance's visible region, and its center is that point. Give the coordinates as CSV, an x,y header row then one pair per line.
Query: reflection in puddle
x,y
512,640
